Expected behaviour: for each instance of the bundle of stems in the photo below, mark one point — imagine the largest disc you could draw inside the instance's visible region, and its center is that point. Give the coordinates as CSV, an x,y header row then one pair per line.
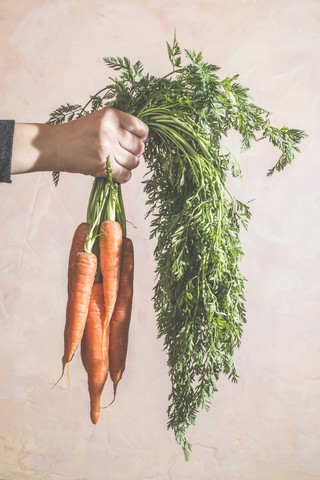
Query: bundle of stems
x,y
199,293
105,203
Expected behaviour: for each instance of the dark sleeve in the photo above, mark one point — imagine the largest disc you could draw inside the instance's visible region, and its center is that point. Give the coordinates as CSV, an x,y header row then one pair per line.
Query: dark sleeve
x,y
6,140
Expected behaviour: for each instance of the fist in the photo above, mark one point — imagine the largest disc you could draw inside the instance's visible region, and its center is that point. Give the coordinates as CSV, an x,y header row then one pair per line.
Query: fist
x,y
85,143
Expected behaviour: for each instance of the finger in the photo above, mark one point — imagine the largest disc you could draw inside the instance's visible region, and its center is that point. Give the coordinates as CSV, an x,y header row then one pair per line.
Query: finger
x,y
120,173
134,125
130,142
126,159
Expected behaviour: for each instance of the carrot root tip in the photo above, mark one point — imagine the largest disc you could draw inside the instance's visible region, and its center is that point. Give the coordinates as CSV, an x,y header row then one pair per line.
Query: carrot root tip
x,y
114,395
94,417
62,373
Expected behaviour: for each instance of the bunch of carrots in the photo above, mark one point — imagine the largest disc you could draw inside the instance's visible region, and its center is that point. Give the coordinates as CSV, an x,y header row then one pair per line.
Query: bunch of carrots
x,y
100,290
199,295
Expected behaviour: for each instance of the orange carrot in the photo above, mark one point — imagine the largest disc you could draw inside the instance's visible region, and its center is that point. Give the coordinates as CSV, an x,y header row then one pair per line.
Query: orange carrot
x,y
77,245
110,243
120,320
84,271
94,350
84,348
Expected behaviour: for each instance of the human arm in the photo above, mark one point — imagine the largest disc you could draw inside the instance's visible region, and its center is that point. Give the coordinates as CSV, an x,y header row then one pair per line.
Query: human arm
x,y
81,146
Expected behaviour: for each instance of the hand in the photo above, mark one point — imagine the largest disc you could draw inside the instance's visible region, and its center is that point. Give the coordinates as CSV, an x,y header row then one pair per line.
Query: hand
x,y
85,143
82,145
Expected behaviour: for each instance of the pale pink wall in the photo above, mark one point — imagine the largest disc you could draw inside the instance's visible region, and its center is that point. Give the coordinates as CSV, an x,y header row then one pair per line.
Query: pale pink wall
x,y
267,426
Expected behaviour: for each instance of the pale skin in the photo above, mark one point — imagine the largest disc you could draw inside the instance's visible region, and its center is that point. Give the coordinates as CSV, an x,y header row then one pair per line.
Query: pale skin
x,y
81,146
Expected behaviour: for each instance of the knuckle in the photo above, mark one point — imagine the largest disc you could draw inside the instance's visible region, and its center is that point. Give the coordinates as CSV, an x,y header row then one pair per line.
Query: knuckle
x,y
146,131
110,117
109,111
135,162
140,147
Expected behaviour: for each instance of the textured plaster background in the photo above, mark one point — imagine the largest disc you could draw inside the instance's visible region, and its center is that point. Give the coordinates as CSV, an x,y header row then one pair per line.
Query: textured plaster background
x,y
267,426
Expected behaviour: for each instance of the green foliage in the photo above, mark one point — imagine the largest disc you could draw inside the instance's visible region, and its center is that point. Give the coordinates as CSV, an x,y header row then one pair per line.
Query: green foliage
x,y
64,114
199,295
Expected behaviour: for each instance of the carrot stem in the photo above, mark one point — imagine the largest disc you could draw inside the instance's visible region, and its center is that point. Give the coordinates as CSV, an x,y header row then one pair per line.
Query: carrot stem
x,y
105,203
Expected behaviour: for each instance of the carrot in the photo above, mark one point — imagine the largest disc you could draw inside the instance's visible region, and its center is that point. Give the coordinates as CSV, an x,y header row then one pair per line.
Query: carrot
x,y
84,347
84,271
120,320
94,349
77,245
110,244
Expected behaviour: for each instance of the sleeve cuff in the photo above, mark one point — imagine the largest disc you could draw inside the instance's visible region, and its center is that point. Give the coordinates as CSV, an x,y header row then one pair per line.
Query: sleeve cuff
x,y
6,142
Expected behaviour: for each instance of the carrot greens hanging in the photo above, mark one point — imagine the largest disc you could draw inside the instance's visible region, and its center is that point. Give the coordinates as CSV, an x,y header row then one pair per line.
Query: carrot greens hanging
x,y
199,295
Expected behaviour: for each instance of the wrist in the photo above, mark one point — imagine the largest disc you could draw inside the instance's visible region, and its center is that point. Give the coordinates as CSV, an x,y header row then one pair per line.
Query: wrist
x,y
34,148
